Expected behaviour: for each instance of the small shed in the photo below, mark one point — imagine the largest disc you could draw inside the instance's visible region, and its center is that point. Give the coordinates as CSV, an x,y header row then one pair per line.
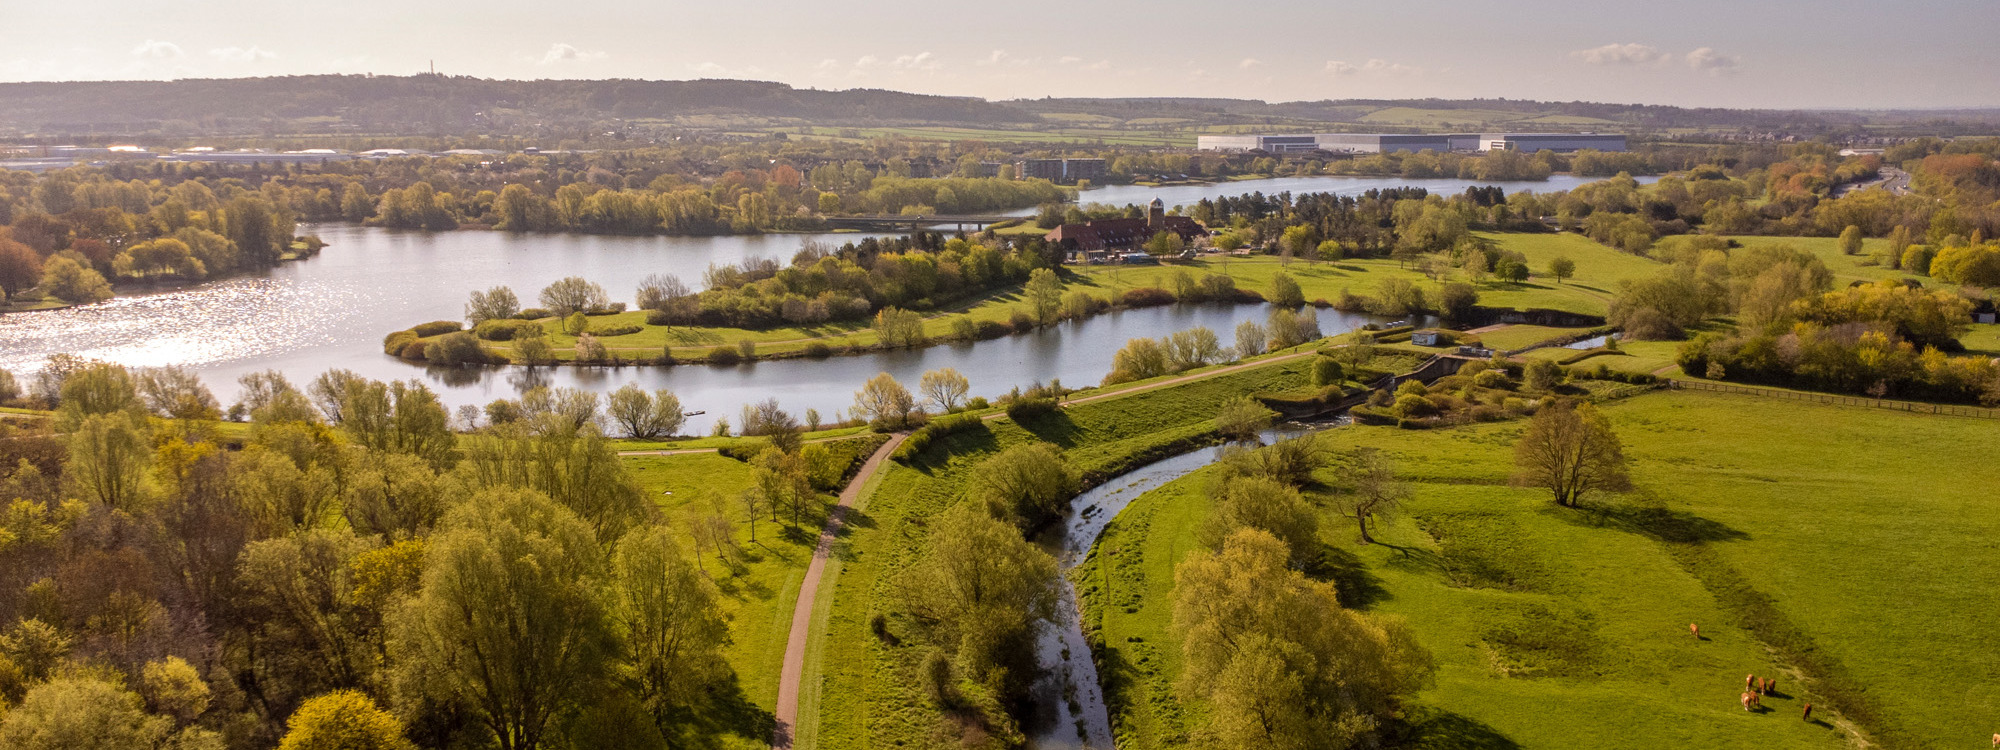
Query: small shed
x,y
1429,337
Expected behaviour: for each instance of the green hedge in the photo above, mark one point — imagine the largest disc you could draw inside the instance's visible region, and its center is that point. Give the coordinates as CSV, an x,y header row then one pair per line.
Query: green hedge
x,y
436,328
941,427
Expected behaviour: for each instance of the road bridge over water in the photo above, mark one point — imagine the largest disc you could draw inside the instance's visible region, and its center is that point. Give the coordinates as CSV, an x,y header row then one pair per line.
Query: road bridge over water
x,y
913,223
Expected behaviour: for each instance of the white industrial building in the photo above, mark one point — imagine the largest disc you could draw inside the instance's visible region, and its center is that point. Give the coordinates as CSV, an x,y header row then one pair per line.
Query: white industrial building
x,y
1380,143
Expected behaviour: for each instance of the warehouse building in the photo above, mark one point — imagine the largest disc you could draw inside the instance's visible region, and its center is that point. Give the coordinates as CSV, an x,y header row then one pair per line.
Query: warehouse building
x,y
1531,142
1060,171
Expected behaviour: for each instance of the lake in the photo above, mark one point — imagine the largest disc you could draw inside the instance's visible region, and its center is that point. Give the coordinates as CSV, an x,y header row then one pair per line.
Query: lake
x,y
332,311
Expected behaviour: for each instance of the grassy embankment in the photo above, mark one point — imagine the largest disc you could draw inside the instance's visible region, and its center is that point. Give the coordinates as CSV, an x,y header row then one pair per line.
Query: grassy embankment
x,y
759,584
864,691
1853,543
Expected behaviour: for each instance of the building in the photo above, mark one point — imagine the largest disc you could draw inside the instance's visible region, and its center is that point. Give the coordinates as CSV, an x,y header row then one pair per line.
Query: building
x,y
1060,171
1382,143
1095,241
1531,142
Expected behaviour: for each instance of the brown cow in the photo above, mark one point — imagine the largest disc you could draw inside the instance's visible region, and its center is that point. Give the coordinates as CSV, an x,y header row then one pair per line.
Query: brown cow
x,y
1746,698
1807,716
1770,685
1749,682
1695,629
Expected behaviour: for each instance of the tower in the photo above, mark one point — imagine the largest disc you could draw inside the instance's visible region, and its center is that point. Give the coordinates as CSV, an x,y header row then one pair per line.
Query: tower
x,y
1156,216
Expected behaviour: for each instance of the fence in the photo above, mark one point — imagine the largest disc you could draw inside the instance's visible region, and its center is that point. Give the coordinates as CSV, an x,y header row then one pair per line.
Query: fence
x,y
1829,398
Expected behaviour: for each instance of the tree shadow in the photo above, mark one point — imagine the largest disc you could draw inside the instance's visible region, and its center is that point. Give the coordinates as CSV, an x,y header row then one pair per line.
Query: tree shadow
x,y
1648,515
843,540
719,713
1430,728
1353,583
1055,427
693,337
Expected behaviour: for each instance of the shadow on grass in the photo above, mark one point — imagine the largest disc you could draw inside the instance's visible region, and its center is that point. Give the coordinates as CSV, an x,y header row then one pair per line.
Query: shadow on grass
x,y
1356,587
1437,729
712,719
1648,515
1055,427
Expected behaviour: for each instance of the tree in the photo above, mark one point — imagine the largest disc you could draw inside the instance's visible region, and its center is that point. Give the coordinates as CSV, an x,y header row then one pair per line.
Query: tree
x,y
20,268
175,392
644,416
498,303
1044,293
1850,240
982,591
1511,270
80,713
1458,301
1029,483
1283,664
1542,375
884,402
1561,267
510,622
1249,339
658,290
1285,292
1241,419
1139,359
898,328
573,295
1194,347
343,720
1326,371
108,456
666,608
1373,491
1570,450
174,688
1267,504
944,388
65,279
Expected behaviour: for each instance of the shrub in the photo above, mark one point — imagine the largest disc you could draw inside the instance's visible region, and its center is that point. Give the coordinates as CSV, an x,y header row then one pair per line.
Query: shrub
x,y
658,318
610,309
436,328
993,329
977,403
723,355
454,349
964,328
1325,371
575,324
1147,296
1020,321
506,330
394,343
589,349
1023,409
534,313
1412,405
744,451
1492,379
413,350
617,331
747,348
817,350
937,429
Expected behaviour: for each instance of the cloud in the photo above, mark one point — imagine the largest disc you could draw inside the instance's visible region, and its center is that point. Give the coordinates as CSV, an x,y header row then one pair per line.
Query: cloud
x,y
241,54
1249,62
1379,65
1341,68
157,50
1711,61
560,52
1631,53
919,61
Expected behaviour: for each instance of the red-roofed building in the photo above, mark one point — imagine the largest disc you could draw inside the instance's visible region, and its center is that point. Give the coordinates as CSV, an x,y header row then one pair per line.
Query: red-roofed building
x,y
1105,235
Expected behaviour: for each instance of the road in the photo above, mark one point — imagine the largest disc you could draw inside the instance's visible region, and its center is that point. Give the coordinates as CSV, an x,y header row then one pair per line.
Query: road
x,y
1894,180
794,670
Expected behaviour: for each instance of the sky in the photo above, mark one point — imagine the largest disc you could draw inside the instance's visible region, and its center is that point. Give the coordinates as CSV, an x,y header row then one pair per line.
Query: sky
x,y
1734,53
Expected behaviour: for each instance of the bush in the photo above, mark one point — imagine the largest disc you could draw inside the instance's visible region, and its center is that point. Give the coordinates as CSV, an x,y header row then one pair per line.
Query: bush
x,y
535,313
1492,379
744,451
394,343
506,330
617,331
610,309
817,350
436,328
747,348
458,348
937,429
964,328
1023,409
413,350
658,318
1325,371
1020,321
978,403
724,355
575,324
1147,296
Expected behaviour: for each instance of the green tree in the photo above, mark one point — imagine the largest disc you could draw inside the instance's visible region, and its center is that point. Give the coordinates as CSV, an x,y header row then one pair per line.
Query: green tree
x,y
573,295
20,268
69,281
1139,359
1458,301
1570,450
1326,371
1029,483
898,328
1373,492
511,622
944,388
343,720
1850,240
174,688
982,592
1285,292
1267,504
1044,292
1194,347
1241,419
644,416
884,402
498,303
1561,267
1250,339
108,456
81,713
667,610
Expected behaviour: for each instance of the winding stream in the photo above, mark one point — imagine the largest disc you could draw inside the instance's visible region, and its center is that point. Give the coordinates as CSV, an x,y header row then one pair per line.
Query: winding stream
x,y
1069,699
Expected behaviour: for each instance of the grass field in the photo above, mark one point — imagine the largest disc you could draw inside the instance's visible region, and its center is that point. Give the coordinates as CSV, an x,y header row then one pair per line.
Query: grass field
x,y
759,584
869,697
1858,541
1846,268
1983,338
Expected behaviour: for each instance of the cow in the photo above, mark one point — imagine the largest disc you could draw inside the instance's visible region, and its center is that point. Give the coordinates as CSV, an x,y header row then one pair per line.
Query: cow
x,y
1746,699
1807,716
1749,682
1695,629
1770,685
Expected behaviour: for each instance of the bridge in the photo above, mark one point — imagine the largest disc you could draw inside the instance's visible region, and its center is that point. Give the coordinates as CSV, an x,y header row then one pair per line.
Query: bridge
x,y
913,223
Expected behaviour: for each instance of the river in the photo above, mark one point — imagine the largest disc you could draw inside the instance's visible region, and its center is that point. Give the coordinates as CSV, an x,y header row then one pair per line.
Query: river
x,y
332,311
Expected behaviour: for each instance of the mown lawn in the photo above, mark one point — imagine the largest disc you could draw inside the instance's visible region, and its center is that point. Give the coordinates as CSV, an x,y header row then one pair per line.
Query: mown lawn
x,y
864,691
1860,537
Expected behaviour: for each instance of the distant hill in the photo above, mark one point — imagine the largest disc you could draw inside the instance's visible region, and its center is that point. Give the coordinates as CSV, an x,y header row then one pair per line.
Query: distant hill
x,y
431,103
455,105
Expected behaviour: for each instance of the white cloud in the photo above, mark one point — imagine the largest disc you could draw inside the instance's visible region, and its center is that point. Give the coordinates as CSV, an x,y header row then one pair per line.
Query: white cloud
x,y
1379,65
1631,53
919,61
154,49
1711,61
1341,68
1249,62
242,54
560,52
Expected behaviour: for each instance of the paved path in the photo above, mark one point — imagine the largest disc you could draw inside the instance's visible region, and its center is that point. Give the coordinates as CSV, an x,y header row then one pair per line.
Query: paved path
x,y
802,613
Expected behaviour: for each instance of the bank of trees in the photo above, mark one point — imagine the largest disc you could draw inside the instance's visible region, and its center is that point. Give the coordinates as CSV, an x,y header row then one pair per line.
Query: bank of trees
x,y
351,568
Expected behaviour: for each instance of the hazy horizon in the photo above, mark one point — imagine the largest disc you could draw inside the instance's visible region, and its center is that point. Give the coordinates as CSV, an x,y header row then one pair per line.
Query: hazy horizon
x,y
1703,53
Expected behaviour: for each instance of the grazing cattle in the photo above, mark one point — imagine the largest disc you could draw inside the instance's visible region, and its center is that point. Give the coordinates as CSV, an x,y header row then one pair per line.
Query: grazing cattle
x,y
1749,682
1808,713
1996,740
1747,696
1695,629
1770,685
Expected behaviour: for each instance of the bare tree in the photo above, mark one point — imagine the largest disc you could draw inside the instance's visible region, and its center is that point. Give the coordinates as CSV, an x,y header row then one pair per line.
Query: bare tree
x,y
944,387
1569,450
1374,492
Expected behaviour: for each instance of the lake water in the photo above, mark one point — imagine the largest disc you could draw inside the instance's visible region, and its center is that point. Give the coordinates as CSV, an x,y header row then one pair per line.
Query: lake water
x,y
332,311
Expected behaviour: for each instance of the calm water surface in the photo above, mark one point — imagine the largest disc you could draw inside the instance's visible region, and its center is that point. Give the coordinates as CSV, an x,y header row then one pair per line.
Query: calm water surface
x,y
332,311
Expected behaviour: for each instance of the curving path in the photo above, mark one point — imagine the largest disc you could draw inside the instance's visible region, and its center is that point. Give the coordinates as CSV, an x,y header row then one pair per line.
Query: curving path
x,y
802,613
